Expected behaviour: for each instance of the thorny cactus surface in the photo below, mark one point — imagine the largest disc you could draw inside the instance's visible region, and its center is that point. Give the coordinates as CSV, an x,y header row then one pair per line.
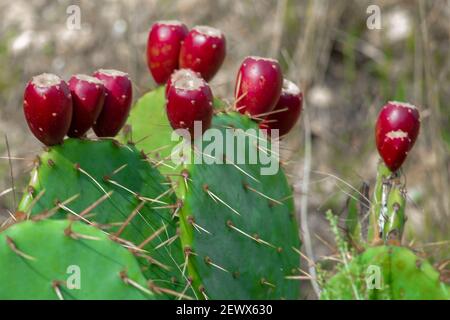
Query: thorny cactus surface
x,y
113,187
238,228
38,258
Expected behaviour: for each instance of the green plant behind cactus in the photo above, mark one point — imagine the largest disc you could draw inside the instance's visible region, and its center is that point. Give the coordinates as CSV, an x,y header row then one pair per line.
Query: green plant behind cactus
x,y
388,273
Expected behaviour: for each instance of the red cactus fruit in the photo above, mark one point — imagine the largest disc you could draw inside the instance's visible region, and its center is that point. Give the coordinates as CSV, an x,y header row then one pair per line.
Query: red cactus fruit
x,y
396,131
88,94
203,51
178,74
258,86
163,48
118,97
47,106
188,100
287,110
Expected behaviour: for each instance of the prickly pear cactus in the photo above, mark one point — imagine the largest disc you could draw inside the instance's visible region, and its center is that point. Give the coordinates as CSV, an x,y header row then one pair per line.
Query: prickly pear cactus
x,y
402,275
385,270
149,129
40,260
111,186
238,226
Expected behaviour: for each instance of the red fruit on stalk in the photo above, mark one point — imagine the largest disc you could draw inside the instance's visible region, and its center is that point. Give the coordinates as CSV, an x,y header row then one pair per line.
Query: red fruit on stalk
x,y
178,74
163,48
47,105
203,51
189,100
394,149
258,86
88,94
287,110
116,107
396,132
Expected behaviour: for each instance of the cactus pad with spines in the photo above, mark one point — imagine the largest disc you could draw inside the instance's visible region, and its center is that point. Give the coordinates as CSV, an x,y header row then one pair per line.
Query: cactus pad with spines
x,y
238,227
149,128
404,276
121,191
38,259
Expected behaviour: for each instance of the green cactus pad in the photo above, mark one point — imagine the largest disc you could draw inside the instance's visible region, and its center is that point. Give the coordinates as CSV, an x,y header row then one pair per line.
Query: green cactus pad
x,y
238,226
87,171
403,276
42,260
149,128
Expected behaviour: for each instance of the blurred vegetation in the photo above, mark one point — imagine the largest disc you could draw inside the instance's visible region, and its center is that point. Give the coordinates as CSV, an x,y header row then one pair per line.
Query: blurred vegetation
x,y
346,70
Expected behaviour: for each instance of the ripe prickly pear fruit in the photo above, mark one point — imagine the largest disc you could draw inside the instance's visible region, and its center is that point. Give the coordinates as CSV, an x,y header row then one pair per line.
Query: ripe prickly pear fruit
x,y
287,110
163,48
178,74
203,51
47,105
394,149
258,86
116,107
88,94
189,100
396,131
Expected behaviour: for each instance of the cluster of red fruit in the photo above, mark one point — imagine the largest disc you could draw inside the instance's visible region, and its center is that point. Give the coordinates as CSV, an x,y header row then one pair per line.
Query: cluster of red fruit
x,y
54,108
186,60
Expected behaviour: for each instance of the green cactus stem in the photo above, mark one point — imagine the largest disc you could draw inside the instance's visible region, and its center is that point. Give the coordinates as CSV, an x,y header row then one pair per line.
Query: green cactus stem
x,y
395,217
387,212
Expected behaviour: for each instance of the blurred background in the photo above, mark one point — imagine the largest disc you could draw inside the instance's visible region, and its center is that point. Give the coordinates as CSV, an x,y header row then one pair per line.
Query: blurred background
x,y
348,61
